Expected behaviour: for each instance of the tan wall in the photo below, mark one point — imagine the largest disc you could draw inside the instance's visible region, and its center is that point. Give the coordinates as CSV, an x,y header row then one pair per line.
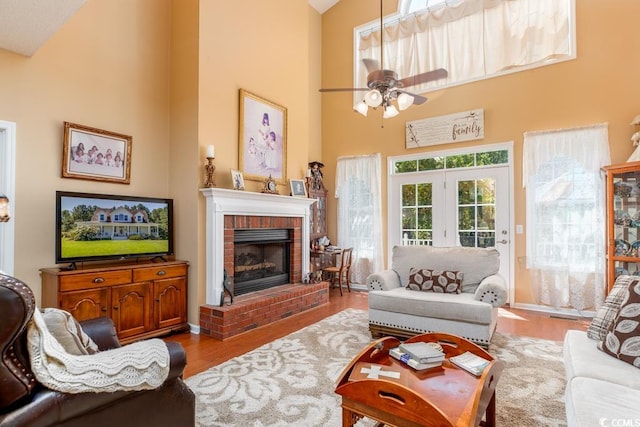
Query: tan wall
x,y
599,86
168,74
106,68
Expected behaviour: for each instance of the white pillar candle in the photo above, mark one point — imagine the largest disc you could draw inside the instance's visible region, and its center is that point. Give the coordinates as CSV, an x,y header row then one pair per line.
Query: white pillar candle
x,y
210,151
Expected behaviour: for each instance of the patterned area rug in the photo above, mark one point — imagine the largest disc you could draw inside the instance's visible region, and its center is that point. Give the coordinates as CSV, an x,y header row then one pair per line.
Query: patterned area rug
x,y
290,381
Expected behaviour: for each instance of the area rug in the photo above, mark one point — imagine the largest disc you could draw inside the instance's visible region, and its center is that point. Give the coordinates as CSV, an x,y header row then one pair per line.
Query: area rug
x,y
290,381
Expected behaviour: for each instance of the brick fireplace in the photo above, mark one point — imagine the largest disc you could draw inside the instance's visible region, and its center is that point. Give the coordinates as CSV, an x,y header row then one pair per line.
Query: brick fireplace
x,y
228,211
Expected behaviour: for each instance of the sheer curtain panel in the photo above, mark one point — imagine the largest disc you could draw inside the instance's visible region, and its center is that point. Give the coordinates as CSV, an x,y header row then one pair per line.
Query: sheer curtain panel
x,y
566,215
358,188
471,39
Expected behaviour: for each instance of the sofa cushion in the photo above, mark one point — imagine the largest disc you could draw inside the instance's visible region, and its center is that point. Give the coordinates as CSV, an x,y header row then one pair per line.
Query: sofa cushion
x,y
426,279
583,359
595,402
459,307
474,263
607,312
623,339
67,331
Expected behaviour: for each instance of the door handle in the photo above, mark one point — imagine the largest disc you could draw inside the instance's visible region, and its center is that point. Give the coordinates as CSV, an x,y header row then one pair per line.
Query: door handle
x,y
503,241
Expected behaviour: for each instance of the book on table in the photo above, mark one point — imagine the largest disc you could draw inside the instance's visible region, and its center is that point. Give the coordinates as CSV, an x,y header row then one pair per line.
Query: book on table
x,y
470,362
407,359
423,352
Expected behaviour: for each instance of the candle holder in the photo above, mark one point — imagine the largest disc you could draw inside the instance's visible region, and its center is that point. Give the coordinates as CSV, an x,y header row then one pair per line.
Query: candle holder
x,y
210,173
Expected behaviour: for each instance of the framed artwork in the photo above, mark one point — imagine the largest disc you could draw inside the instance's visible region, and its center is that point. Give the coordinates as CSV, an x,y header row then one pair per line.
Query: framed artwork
x,y
263,138
298,189
237,179
96,154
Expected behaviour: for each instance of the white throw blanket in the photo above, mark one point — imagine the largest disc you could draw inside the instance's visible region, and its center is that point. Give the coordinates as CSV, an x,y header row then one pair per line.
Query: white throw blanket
x,y
143,365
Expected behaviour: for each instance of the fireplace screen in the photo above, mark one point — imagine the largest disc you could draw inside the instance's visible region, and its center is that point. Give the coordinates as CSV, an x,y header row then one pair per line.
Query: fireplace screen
x,y
261,259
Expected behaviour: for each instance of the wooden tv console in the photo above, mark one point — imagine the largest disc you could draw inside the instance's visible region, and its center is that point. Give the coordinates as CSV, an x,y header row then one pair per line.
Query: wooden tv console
x,y
143,300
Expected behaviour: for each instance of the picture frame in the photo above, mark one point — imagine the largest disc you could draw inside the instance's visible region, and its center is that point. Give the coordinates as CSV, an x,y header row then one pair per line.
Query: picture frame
x,y
298,188
262,138
237,179
96,154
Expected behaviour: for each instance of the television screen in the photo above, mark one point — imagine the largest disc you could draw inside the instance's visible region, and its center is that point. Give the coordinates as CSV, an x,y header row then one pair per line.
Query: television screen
x,y
101,226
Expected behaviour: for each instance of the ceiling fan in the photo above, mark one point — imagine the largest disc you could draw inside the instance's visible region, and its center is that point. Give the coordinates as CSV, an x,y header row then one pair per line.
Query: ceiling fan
x,y
383,86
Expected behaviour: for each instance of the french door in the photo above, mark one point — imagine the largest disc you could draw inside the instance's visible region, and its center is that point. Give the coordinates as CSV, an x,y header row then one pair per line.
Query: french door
x,y
457,207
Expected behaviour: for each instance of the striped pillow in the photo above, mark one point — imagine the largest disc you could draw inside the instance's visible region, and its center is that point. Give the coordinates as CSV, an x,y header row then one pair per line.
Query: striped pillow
x,y
608,311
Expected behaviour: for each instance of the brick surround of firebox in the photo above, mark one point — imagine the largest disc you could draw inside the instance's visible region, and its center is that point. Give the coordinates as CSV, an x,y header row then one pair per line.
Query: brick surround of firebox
x,y
234,222
269,305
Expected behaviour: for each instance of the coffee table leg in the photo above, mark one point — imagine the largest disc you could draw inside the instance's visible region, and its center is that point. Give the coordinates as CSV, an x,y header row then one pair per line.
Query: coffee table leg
x,y
491,412
348,418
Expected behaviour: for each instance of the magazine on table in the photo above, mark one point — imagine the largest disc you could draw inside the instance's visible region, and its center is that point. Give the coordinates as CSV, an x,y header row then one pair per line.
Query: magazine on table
x,y
470,362
423,352
406,358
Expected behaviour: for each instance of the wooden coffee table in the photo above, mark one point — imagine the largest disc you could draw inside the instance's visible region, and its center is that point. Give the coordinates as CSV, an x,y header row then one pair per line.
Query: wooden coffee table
x,y
442,396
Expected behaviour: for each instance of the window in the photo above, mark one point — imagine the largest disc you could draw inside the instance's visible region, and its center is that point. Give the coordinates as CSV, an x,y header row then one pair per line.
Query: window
x,y
565,215
358,189
471,39
453,161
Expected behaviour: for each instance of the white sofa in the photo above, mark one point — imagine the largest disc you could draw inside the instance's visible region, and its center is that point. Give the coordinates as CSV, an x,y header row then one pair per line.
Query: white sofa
x,y
601,390
472,314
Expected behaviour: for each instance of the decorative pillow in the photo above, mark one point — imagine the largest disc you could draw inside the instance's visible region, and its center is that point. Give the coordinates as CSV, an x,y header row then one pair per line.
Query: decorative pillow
x,y
425,279
67,331
623,339
607,312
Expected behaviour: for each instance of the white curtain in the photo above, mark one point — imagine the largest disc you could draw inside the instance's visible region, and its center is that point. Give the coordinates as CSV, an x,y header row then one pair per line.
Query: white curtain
x,y
566,215
358,190
470,39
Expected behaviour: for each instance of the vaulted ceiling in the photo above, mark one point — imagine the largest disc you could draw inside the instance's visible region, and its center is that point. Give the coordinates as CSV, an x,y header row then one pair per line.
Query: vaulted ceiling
x,y
25,25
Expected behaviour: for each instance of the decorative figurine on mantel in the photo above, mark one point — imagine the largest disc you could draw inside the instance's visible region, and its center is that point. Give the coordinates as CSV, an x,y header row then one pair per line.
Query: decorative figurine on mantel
x,y
316,175
635,139
270,186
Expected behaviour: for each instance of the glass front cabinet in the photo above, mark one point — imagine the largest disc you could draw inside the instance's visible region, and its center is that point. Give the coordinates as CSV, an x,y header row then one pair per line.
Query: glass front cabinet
x,y
623,220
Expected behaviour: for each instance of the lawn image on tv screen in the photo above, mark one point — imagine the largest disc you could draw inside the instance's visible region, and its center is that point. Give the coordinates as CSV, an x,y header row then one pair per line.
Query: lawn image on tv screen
x,y
91,227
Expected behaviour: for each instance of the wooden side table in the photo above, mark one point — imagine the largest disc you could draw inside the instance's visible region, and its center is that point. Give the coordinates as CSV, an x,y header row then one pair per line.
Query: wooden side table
x,y
444,396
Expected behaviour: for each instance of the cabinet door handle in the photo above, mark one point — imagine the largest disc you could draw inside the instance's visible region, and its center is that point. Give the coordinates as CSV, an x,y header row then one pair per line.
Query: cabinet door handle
x,y
115,307
161,273
104,308
98,280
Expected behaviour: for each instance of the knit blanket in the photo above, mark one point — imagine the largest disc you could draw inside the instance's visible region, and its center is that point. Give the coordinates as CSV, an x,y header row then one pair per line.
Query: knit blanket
x,y
142,365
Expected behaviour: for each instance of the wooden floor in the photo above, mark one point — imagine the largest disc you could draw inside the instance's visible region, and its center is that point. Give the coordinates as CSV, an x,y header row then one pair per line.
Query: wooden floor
x,y
204,352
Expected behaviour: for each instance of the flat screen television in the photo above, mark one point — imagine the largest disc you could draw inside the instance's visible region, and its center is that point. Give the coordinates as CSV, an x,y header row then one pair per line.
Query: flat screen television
x,y
91,227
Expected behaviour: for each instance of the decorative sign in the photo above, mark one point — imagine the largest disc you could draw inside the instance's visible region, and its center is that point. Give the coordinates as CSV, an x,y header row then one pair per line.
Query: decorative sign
x,y
456,127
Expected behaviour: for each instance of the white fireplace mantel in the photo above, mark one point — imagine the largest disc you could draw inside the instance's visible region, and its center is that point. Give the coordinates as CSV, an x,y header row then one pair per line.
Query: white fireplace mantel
x,y
221,202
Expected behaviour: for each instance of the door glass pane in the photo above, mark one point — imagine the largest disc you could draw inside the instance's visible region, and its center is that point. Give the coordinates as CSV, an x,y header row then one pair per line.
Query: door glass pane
x,y
417,214
477,212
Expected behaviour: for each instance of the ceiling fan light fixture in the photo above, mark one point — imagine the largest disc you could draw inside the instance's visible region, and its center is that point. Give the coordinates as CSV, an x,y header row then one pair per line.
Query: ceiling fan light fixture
x,y
405,101
373,98
362,108
390,111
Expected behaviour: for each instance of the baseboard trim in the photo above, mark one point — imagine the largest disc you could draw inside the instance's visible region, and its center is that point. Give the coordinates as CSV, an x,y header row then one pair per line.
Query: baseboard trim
x,y
555,312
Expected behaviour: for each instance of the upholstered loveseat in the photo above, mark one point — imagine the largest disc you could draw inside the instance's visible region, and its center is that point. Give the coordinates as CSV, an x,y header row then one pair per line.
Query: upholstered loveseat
x,y
24,401
394,309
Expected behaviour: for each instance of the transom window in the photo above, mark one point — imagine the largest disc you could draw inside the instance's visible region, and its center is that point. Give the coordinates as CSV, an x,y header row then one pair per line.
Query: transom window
x,y
454,161
471,39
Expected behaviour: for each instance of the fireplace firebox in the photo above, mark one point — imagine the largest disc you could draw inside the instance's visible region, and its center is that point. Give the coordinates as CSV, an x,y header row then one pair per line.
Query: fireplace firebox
x,y
261,259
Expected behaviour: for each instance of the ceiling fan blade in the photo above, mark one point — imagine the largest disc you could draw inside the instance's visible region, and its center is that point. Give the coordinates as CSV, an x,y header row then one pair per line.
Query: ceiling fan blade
x,y
371,65
344,89
429,76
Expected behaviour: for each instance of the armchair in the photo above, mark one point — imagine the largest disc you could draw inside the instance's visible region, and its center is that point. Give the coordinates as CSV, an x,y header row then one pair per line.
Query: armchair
x,y
26,402
472,314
